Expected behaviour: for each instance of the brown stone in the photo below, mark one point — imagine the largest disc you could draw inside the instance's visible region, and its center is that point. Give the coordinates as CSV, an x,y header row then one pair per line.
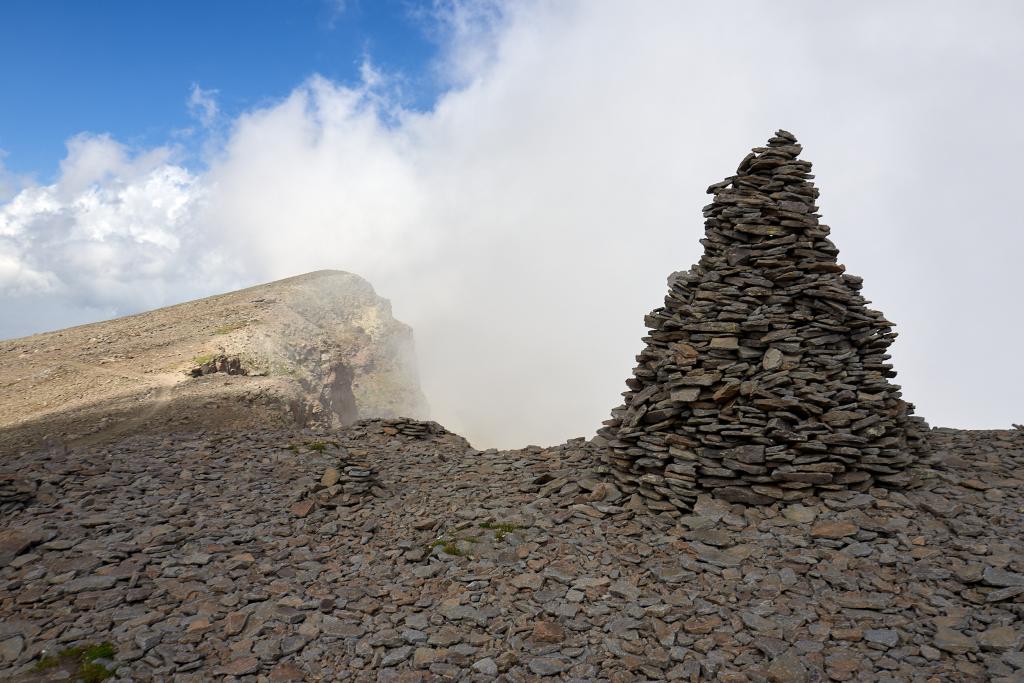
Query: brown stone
x,y
685,354
424,657
842,665
728,391
702,624
234,623
999,638
787,668
200,624
286,672
240,667
951,640
331,477
548,632
13,542
303,507
527,580
834,529
851,635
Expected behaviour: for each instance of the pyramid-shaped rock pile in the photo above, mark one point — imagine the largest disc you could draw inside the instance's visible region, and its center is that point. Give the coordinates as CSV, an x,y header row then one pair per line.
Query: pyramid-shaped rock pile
x,y
764,376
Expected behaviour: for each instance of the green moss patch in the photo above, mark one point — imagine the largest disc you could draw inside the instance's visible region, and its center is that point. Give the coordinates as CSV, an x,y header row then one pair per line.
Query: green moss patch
x,y
501,530
231,327
448,546
82,658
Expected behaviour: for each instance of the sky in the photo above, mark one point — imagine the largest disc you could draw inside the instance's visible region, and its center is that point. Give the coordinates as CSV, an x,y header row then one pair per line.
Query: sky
x,y
517,178
126,68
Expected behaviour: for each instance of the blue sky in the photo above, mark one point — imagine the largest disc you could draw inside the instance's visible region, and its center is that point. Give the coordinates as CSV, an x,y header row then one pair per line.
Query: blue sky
x,y
127,67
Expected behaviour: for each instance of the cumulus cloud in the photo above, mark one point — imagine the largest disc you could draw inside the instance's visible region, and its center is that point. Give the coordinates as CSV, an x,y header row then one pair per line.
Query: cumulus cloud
x,y
117,232
526,222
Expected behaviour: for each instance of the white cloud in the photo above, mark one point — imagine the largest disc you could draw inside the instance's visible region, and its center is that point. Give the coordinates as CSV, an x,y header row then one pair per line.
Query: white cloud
x,y
10,182
99,160
335,10
202,105
469,34
118,231
527,222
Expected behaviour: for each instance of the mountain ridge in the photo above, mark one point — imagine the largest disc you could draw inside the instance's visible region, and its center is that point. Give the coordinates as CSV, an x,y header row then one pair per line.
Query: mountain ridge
x,y
321,348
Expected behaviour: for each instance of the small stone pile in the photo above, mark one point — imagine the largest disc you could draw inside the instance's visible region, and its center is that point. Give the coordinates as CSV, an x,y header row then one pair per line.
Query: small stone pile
x,y
764,376
414,429
358,480
407,432
349,485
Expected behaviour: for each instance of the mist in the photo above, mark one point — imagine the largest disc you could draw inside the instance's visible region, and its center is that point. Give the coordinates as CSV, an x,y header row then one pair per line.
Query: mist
x,y
526,223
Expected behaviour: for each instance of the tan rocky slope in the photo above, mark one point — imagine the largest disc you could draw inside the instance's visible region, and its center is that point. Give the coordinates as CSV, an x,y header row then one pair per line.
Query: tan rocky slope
x,y
320,349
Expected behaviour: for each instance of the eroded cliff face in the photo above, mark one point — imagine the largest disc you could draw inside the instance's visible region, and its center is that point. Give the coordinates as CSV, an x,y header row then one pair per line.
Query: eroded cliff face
x,y
320,349
345,345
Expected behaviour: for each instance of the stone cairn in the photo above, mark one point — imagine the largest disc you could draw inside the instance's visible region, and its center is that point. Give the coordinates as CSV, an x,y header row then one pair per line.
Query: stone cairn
x,y
764,376
348,484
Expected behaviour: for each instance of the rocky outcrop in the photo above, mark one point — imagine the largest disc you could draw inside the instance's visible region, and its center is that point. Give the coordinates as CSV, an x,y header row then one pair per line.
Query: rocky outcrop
x,y
317,350
229,365
764,375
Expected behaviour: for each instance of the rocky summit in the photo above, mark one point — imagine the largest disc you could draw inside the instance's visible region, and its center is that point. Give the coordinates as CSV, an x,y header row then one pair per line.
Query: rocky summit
x,y
763,508
764,376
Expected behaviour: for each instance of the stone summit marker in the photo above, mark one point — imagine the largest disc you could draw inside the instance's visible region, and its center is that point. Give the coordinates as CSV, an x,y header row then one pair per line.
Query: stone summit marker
x,y
764,376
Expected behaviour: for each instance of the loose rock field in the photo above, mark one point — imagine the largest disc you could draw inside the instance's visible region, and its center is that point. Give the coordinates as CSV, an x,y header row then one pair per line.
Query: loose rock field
x,y
394,551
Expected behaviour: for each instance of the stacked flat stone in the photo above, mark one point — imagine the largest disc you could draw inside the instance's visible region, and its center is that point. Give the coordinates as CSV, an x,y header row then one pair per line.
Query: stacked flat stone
x,y
414,429
358,479
348,485
407,431
15,492
764,376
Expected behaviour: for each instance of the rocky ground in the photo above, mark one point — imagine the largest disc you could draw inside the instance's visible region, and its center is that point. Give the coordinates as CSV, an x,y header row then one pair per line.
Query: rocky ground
x,y
394,551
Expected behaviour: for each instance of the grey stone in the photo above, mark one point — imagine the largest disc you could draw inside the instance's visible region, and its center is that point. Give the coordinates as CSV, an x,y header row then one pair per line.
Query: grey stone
x,y
396,656
95,582
1001,578
949,640
886,637
547,666
11,648
486,666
